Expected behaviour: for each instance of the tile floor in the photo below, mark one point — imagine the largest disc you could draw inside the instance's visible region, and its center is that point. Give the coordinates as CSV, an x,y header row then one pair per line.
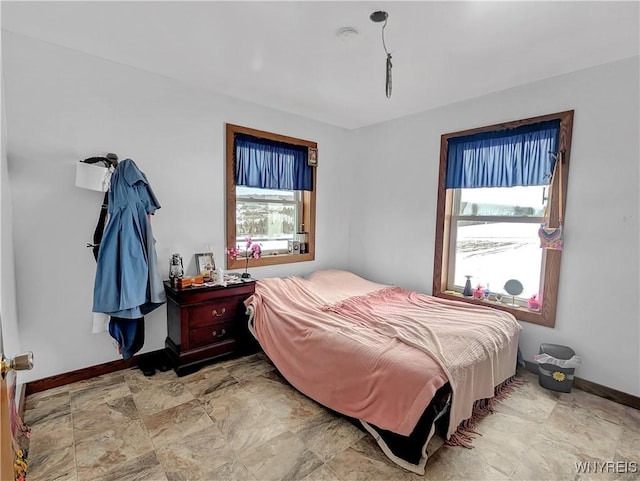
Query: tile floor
x,y
239,420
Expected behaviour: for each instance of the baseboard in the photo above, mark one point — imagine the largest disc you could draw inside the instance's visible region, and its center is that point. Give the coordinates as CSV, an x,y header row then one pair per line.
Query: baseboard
x,y
88,372
597,389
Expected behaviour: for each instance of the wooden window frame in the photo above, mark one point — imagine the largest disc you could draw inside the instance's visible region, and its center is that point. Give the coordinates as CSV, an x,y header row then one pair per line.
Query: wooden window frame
x,y
551,259
308,202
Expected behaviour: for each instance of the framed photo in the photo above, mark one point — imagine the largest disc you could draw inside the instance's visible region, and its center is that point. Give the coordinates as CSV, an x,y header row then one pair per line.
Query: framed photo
x,y
205,263
313,157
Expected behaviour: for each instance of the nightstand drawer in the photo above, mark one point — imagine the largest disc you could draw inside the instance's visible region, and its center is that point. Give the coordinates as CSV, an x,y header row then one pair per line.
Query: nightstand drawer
x,y
204,336
215,312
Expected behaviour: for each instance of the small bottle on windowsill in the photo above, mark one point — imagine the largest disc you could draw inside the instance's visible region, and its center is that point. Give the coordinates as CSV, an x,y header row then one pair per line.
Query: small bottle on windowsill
x,y
533,303
303,239
487,292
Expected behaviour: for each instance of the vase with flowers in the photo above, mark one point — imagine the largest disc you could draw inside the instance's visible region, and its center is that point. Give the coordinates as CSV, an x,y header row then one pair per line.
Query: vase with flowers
x,y
252,250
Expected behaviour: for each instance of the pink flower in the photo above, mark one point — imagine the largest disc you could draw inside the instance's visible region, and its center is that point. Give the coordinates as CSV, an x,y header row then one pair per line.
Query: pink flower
x,y
252,250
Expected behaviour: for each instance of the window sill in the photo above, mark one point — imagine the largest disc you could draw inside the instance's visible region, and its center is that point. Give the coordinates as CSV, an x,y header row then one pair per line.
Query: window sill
x,y
520,313
269,260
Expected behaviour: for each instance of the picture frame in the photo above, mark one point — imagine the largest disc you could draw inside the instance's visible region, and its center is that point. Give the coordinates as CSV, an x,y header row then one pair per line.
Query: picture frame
x,y
313,157
205,262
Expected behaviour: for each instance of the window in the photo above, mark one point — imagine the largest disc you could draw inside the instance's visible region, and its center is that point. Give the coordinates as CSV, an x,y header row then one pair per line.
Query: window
x,y
490,209
495,237
277,203
270,217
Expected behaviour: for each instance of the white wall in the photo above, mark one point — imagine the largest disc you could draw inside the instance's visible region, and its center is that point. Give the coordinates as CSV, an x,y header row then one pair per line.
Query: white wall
x,y
63,106
9,315
598,308
8,308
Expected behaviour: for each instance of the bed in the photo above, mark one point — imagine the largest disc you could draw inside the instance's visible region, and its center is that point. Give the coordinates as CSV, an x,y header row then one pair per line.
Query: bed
x,y
399,361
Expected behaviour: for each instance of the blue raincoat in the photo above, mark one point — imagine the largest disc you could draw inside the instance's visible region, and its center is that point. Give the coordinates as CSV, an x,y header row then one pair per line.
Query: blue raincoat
x,y
128,283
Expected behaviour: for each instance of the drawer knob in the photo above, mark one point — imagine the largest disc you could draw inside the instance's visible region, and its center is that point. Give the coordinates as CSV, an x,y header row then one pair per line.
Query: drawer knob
x,y
215,312
216,334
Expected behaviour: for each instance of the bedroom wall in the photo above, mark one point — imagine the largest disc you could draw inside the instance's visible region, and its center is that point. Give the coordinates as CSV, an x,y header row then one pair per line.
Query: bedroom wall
x,y
394,205
63,106
9,317
8,309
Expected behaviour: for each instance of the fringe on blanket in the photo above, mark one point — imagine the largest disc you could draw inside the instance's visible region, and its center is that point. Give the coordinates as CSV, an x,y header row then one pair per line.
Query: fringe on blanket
x,y
383,293
466,432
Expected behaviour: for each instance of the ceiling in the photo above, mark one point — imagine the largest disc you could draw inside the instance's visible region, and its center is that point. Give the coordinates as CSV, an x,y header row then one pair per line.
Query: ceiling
x,y
286,55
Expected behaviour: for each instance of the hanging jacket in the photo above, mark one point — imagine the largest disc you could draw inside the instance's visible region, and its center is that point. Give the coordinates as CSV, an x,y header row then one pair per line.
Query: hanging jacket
x,y
128,283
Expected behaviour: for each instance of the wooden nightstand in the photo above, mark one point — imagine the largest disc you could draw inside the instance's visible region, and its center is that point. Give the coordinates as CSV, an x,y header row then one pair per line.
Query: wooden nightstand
x,y
205,323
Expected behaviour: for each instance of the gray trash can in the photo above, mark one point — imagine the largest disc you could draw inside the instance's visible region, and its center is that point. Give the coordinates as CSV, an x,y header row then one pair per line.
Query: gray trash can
x,y
556,365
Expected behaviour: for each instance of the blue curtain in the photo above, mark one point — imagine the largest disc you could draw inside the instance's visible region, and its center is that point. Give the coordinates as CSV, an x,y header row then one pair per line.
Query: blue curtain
x,y
268,164
503,158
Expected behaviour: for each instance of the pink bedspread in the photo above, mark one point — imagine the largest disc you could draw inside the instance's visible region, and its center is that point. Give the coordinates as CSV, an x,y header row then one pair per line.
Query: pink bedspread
x,y
374,353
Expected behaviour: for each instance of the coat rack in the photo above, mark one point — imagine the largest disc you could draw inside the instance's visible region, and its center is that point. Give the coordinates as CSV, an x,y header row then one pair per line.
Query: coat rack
x,y
97,177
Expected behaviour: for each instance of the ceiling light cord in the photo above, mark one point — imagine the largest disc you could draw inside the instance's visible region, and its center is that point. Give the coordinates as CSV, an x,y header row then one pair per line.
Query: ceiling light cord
x,y
388,80
379,17
384,45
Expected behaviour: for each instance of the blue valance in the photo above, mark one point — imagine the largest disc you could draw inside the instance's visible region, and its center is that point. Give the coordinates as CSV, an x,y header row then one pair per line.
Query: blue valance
x,y
503,158
268,164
